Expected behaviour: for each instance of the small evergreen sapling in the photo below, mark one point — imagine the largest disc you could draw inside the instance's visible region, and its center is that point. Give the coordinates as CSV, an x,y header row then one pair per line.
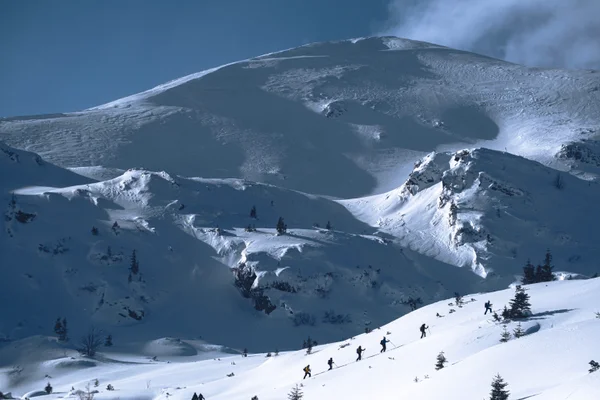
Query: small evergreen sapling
x,y
328,226
48,388
498,389
518,331
253,212
505,336
441,360
108,341
295,394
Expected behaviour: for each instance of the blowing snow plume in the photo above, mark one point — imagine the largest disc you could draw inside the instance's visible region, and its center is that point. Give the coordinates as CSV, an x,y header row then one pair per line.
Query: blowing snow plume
x,y
541,33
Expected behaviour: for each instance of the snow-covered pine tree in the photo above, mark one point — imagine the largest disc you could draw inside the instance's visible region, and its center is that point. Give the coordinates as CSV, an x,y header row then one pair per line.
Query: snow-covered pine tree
x,y
594,366
498,389
528,273
295,394
134,265
441,360
505,336
518,331
519,305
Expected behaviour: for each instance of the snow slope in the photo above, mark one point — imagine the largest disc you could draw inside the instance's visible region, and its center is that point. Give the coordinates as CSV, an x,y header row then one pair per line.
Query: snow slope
x,y
344,119
549,363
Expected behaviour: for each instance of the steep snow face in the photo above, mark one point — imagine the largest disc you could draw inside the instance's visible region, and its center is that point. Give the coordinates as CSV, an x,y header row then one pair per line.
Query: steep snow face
x,y
344,119
550,361
490,211
200,254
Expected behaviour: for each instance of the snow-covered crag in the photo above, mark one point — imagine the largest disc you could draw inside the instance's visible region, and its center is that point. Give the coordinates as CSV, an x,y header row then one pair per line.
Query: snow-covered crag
x,y
439,171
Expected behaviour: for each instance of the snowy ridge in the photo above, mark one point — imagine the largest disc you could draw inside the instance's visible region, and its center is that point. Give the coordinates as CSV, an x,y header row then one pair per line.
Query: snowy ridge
x,y
563,326
485,209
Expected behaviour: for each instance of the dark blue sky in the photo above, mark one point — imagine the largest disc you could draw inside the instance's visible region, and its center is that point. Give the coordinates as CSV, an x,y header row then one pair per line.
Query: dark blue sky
x,y
68,55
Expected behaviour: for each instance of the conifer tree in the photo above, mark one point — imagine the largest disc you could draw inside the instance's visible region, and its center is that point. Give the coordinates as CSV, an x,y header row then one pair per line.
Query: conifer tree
x,y
295,394
498,389
48,388
253,212
528,273
518,331
441,360
63,337
328,226
281,226
108,341
505,336
134,265
545,273
519,305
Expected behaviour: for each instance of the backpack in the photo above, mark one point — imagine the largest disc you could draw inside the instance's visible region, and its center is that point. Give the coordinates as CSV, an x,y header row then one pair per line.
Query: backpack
x,y
382,342
306,369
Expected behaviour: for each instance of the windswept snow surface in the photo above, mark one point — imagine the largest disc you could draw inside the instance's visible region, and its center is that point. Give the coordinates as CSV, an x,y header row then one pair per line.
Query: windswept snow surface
x,y
549,363
344,119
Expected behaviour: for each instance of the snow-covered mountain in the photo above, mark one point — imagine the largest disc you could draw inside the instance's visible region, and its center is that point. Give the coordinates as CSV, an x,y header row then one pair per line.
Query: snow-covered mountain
x,y
344,119
551,361
439,171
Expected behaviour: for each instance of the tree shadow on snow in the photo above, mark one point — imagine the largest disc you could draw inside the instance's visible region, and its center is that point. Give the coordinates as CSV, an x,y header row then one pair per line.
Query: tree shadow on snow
x,y
548,313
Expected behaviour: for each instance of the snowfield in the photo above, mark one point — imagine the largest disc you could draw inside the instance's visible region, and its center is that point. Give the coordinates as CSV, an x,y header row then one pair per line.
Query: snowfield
x,y
549,362
400,173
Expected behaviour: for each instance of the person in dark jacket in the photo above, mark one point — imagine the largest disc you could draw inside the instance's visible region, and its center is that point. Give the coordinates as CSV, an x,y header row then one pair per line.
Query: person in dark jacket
x,y
330,362
488,307
359,351
382,343
422,329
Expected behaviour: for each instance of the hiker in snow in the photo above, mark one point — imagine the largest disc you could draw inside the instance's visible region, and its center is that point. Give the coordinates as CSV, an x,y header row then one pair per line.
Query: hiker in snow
x,y
488,307
359,351
330,362
307,372
382,343
423,327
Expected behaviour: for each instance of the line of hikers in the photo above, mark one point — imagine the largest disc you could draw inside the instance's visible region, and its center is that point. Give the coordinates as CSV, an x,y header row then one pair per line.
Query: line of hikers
x,y
383,342
360,350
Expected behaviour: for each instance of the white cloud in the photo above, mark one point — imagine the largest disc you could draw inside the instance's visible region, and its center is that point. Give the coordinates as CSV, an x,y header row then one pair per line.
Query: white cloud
x,y
544,33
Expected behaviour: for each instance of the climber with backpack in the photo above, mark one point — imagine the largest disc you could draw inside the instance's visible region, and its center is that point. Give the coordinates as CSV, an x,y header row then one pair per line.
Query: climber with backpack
x,y
382,343
488,307
359,351
422,329
330,362
307,372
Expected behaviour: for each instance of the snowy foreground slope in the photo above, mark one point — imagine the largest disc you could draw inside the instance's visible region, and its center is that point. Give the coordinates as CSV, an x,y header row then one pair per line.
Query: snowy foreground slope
x,y
344,119
549,363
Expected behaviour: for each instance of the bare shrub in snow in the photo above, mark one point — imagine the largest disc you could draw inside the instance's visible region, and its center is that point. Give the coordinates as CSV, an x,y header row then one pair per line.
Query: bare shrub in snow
x,y
303,318
91,342
331,317
88,394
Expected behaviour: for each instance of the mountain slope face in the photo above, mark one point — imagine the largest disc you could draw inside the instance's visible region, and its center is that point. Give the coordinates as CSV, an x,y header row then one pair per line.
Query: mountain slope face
x,y
549,362
343,119
312,125
490,211
66,251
